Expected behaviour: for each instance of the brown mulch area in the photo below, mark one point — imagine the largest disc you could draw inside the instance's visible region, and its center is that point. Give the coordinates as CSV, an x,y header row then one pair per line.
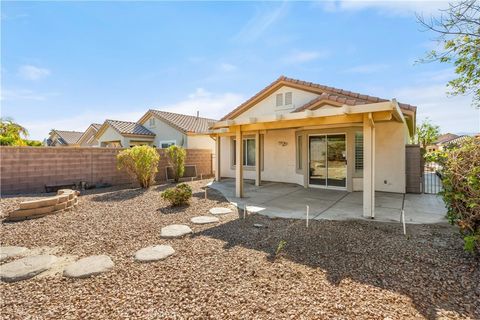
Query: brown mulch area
x,y
335,269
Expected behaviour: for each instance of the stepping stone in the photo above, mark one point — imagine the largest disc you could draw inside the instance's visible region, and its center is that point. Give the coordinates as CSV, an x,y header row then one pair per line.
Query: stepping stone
x,y
154,253
220,210
26,268
204,220
11,251
175,231
259,225
88,266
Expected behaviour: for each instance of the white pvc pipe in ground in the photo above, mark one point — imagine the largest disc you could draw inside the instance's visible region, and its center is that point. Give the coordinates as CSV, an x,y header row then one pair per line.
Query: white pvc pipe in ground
x,y
308,211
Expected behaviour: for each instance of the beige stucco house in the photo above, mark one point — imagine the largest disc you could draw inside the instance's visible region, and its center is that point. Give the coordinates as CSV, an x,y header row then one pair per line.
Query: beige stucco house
x,y
87,139
62,138
179,129
160,129
318,137
123,134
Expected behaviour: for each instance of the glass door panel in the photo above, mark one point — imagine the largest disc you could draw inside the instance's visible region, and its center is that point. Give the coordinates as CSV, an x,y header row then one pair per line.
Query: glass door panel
x,y
336,161
318,160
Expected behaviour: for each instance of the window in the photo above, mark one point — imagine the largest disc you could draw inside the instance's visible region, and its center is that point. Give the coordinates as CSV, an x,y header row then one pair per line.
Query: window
x,y
166,144
248,152
152,122
358,152
279,99
299,153
288,98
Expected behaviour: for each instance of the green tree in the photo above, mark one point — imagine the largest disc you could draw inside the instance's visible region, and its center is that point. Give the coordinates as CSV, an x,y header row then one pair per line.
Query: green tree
x,y
458,30
141,162
11,133
176,158
426,133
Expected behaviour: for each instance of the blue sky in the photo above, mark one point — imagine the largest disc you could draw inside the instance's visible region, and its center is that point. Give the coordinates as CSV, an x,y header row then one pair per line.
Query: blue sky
x,y
65,65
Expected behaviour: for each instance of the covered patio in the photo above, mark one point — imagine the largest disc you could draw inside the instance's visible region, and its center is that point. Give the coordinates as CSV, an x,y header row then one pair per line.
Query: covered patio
x,y
285,200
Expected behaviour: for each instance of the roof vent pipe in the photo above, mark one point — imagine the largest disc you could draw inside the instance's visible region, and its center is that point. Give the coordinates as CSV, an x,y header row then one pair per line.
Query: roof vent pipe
x,y
198,114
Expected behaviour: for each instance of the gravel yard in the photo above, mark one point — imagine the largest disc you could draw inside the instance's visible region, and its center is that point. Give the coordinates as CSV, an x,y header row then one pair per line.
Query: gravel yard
x,y
342,270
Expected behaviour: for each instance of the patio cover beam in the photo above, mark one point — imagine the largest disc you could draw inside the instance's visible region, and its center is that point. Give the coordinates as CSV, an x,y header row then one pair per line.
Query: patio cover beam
x,y
239,163
217,158
368,166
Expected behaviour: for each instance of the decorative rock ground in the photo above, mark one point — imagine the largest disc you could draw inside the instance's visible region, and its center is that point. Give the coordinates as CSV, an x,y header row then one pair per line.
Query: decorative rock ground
x,y
11,251
204,219
26,268
88,266
154,253
175,231
220,210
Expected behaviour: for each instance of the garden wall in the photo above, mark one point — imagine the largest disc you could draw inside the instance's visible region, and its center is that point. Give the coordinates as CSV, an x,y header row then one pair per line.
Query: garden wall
x,y
29,169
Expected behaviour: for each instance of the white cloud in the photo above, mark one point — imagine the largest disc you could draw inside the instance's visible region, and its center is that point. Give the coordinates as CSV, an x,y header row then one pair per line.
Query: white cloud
x,y
304,56
387,7
23,94
368,68
452,114
29,72
227,67
261,22
210,105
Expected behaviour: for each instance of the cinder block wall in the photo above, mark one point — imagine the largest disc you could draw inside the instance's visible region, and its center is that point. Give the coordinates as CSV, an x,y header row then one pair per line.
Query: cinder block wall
x,y
414,169
29,169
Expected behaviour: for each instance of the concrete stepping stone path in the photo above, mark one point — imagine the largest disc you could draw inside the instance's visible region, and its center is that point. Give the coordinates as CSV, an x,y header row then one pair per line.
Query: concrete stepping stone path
x,y
88,267
12,251
154,253
220,210
175,231
204,220
26,268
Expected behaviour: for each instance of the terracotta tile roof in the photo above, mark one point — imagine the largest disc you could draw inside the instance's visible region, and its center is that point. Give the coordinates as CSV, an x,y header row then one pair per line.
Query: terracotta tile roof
x,y
68,137
184,122
126,127
326,93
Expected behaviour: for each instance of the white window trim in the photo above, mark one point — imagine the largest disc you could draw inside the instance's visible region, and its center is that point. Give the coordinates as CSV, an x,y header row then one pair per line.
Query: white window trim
x,y
171,142
232,153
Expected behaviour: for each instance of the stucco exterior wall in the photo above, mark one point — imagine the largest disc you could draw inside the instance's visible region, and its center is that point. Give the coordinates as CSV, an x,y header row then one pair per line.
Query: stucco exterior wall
x,y
279,162
201,142
165,132
111,135
268,105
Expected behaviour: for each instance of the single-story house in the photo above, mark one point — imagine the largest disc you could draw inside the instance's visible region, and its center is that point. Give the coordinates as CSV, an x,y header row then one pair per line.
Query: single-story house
x,y
179,129
87,139
123,134
445,140
62,138
318,137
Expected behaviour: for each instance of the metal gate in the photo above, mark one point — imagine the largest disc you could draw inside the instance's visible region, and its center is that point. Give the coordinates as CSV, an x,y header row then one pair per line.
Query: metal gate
x,y
432,181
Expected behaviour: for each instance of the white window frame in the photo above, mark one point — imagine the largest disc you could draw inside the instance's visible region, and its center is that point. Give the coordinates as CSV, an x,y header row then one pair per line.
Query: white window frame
x,y
170,142
151,122
245,152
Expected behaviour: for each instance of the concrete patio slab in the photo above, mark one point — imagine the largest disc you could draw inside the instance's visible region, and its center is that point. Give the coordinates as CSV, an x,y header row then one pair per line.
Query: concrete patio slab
x,y
284,200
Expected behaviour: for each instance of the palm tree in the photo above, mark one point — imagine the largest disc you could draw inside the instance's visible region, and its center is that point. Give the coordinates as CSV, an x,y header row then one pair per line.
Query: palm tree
x,y
11,133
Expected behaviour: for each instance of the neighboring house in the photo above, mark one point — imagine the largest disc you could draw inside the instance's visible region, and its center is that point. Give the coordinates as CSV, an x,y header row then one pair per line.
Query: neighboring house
x,y
178,129
441,141
123,134
318,137
63,138
87,139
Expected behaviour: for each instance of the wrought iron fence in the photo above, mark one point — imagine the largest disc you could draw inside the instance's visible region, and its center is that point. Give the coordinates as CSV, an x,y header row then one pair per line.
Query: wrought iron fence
x,y
432,181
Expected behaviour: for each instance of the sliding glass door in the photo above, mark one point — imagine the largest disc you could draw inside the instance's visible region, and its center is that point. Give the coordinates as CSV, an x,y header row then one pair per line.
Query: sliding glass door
x,y
328,160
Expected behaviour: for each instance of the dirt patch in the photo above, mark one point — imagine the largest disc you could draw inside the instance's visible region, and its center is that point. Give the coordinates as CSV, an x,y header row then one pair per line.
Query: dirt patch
x,y
347,269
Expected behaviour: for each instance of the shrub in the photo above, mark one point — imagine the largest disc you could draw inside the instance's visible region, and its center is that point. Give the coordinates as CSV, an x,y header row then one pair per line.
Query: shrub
x,y
176,158
461,182
178,195
141,162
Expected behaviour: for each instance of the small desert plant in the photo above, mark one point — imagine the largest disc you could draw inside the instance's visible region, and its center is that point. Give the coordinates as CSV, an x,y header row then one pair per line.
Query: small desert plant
x,y
141,162
460,171
178,195
281,245
176,158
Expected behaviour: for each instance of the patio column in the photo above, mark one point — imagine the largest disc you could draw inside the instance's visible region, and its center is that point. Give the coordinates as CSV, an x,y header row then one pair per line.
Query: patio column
x,y
368,166
258,163
239,163
217,159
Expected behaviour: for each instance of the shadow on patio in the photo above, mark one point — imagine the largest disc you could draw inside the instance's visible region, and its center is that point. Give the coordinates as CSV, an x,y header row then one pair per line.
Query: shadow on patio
x,y
428,265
